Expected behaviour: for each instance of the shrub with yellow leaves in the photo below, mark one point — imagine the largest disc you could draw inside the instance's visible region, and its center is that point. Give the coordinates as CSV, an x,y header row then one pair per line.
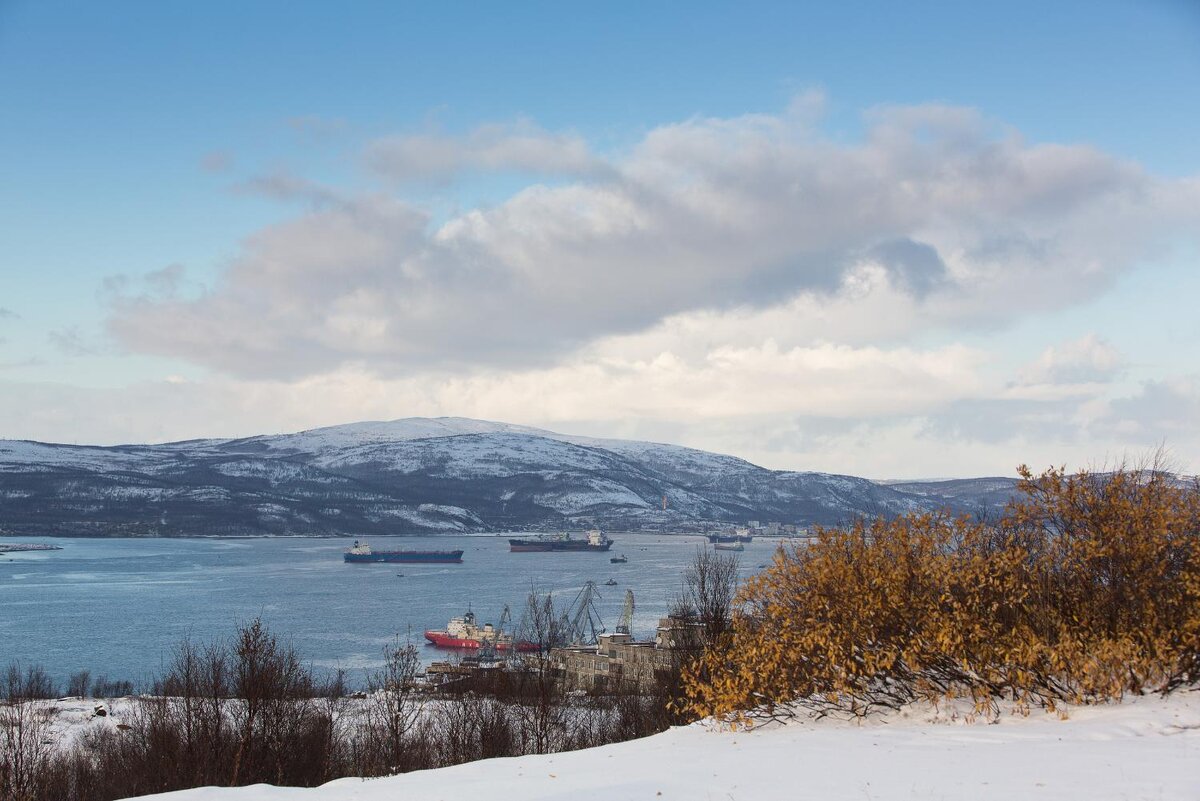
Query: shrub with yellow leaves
x,y
1085,589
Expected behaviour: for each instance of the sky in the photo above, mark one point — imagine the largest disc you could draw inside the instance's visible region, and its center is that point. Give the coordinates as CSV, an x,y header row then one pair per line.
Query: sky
x,y
894,240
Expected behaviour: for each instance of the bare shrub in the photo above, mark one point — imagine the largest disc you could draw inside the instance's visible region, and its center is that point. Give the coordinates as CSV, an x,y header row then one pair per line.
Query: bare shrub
x,y
278,724
640,712
191,700
702,614
104,687
539,710
474,727
79,683
396,739
24,748
246,710
710,584
31,683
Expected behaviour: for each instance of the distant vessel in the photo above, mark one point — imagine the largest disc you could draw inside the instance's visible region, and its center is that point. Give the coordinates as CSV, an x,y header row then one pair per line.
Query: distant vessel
x,y
738,535
463,632
610,583
25,547
596,540
728,546
361,552
619,560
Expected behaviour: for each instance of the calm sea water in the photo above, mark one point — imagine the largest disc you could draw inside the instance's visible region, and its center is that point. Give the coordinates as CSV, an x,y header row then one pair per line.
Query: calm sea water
x,y
119,606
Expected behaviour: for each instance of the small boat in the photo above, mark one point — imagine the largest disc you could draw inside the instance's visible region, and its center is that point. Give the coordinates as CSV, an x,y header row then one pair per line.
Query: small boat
x,y
619,560
399,575
728,546
610,583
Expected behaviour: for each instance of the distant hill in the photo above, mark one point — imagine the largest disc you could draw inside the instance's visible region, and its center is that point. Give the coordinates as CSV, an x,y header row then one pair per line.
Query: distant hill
x,y
420,476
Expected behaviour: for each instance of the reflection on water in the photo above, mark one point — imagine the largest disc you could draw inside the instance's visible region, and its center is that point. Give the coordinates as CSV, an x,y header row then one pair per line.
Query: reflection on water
x,y
118,606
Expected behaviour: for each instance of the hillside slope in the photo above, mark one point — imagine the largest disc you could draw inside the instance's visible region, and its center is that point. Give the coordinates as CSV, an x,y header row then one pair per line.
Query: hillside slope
x,y
422,475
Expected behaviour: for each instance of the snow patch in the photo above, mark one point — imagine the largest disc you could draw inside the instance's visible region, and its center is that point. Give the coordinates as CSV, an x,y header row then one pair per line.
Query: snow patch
x,y
1149,748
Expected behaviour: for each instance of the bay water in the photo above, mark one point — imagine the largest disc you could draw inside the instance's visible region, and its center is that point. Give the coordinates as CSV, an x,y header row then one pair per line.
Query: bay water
x,y
119,607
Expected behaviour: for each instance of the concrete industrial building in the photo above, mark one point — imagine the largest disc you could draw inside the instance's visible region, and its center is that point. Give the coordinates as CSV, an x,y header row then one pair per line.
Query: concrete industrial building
x,y
617,660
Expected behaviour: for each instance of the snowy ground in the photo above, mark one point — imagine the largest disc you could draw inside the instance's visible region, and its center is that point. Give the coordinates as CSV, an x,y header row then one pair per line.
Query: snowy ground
x,y
1145,749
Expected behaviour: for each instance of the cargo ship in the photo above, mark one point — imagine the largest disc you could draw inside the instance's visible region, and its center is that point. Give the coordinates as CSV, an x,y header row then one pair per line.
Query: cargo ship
x,y
464,632
27,547
596,540
739,535
361,552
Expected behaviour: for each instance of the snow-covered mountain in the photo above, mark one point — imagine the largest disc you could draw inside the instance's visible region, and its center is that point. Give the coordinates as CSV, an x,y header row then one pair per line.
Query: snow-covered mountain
x,y
422,475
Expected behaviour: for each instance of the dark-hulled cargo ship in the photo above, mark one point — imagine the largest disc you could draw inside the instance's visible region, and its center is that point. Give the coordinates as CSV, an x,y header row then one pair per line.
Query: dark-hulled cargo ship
x,y
739,535
596,540
361,552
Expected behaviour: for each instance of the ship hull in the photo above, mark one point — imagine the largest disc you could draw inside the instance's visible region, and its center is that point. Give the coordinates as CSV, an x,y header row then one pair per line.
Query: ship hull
x,y
555,546
407,557
443,640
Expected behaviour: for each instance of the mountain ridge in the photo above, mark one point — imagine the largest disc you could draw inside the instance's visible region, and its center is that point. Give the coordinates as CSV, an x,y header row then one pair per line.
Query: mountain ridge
x,y
427,475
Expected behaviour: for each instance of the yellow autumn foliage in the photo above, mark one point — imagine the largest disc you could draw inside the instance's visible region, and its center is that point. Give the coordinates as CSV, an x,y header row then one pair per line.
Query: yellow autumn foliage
x,y
1085,589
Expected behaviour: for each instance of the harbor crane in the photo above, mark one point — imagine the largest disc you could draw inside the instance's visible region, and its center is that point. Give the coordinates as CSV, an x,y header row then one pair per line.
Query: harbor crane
x,y
625,624
489,650
581,623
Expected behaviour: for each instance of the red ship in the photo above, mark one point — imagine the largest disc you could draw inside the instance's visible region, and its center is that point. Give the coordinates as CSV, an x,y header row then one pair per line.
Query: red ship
x,y
462,632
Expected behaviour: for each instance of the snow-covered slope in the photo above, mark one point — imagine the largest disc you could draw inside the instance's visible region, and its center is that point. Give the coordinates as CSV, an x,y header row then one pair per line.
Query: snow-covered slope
x,y
413,476
1148,749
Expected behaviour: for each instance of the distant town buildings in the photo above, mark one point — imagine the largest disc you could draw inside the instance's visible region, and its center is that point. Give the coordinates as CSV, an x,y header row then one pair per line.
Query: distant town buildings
x,y
618,661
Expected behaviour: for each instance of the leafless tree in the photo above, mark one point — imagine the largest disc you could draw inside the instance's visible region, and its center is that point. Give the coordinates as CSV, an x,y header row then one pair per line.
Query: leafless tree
x,y
195,692
701,616
276,717
709,587
540,711
394,710
32,682
79,683
24,748
474,727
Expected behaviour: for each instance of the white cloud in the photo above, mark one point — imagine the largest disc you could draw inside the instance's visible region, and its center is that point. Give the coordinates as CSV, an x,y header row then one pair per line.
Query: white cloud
x,y
1163,410
217,161
71,341
747,285
284,185
1089,359
317,128
724,385
868,411
934,221
517,147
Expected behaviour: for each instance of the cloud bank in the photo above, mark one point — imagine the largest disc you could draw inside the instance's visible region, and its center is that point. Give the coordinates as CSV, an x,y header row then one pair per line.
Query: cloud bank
x,y
936,218
749,285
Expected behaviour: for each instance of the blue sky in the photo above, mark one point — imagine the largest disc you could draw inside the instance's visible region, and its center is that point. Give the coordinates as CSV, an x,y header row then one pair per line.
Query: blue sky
x,y
137,136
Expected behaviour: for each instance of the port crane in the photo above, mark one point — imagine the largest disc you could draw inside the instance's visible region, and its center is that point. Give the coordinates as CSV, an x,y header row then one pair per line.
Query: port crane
x,y
625,624
488,650
581,623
